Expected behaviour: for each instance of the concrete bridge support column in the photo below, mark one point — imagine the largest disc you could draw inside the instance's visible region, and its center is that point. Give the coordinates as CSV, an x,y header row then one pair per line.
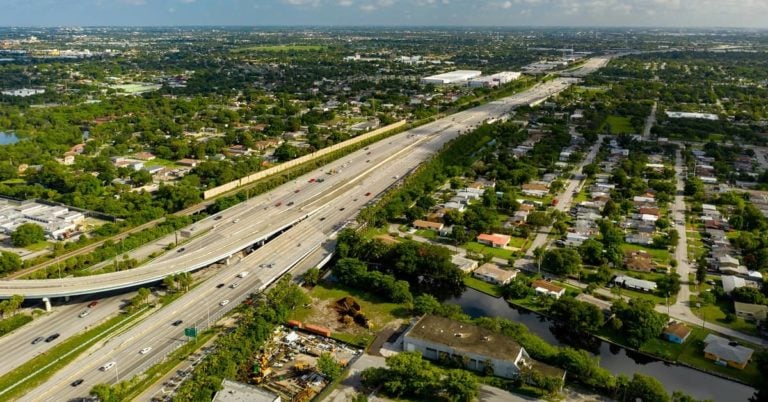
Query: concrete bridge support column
x,y
47,303
66,299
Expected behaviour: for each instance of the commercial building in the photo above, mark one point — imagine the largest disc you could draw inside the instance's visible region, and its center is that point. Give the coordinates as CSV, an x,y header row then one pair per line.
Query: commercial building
x,y
492,273
478,348
453,77
689,115
57,222
233,391
494,80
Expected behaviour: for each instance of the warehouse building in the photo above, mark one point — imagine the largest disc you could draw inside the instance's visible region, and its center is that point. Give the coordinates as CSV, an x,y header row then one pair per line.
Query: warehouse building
x,y
494,80
452,77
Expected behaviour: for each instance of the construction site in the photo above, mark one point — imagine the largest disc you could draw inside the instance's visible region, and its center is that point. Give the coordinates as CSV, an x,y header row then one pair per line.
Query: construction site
x,y
287,364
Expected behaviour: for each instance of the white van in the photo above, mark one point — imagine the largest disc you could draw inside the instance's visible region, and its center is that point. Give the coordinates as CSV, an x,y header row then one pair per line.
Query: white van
x,y
242,274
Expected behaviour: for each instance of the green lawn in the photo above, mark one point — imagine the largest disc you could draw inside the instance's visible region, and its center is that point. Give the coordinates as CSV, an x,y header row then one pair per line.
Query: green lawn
x,y
483,249
426,233
716,313
39,246
659,256
618,125
483,286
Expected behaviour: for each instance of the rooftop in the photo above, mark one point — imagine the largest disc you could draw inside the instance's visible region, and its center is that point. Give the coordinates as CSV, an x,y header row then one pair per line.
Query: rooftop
x,y
232,391
678,329
464,337
727,350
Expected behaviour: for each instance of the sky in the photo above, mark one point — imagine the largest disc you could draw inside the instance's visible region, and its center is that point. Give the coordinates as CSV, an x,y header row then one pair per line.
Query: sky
x,y
613,13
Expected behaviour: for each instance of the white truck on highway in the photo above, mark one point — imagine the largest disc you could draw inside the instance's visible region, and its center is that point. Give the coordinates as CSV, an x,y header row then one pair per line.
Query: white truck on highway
x,y
242,274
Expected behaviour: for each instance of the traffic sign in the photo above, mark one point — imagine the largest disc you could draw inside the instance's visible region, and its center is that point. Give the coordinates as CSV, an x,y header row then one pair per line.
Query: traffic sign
x,y
190,332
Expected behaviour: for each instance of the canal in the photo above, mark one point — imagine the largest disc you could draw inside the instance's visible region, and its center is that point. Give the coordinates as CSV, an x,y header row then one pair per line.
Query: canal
x,y
615,359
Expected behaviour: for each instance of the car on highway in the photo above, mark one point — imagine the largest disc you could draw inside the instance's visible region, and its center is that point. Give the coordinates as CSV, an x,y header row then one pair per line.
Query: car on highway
x,y
368,194
320,180
224,302
242,274
107,366
76,382
145,350
177,323
52,337
221,285
93,304
342,208
312,180
37,340
368,161
322,218
217,217
278,204
234,285
235,220
84,313
181,250
296,191
290,203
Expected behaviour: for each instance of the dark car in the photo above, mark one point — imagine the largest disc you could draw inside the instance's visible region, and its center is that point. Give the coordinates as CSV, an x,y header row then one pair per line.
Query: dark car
x,y
290,203
93,304
217,217
77,382
181,250
177,323
37,340
221,285
52,337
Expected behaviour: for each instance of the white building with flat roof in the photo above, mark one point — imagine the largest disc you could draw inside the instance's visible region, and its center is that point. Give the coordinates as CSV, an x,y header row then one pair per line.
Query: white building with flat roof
x,y
452,77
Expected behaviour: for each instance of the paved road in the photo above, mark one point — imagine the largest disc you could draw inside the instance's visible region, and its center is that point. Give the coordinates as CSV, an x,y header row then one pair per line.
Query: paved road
x,y
16,348
332,203
565,199
258,218
681,310
649,122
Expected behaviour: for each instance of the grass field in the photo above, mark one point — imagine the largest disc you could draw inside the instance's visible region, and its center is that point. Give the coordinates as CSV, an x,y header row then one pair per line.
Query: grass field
x,y
618,125
657,255
483,249
280,48
482,286
39,246
717,313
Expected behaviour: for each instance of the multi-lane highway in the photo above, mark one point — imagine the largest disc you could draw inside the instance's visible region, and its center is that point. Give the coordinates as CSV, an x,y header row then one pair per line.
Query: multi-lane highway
x,y
16,348
318,208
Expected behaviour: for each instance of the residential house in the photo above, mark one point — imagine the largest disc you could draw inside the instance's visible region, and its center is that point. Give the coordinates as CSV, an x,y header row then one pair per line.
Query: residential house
x,y
639,238
494,240
455,205
634,283
725,352
676,332
535,190
421,224
575,239
476,347
547,288
731,282
751,312
144,156
492,273
464,264
188,162
728,264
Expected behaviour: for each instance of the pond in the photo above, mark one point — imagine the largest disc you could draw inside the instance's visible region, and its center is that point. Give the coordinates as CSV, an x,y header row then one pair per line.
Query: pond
x,y
613,358
8,138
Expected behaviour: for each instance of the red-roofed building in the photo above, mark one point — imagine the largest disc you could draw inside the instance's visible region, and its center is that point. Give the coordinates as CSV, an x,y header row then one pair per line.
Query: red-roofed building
x,y
494,240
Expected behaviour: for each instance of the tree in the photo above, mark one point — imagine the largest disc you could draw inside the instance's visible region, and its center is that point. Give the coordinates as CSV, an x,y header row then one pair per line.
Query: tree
x,y
576,315
591,252
312,276
460,386
143,294
26,234
170,282
748,294
539,219
668,285
564,261
425,304
645,388
9,262
14,303
328,366
638,320
761,395
590,170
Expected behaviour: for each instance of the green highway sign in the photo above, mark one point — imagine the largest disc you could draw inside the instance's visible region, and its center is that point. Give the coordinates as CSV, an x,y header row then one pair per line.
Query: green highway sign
x,y
190,332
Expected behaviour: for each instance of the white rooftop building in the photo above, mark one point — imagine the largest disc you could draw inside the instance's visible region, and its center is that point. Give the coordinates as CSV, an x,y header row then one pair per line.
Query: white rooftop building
x,y
452,77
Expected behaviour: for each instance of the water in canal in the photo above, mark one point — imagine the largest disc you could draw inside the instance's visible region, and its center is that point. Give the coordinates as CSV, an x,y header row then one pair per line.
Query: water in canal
x,y
615,359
